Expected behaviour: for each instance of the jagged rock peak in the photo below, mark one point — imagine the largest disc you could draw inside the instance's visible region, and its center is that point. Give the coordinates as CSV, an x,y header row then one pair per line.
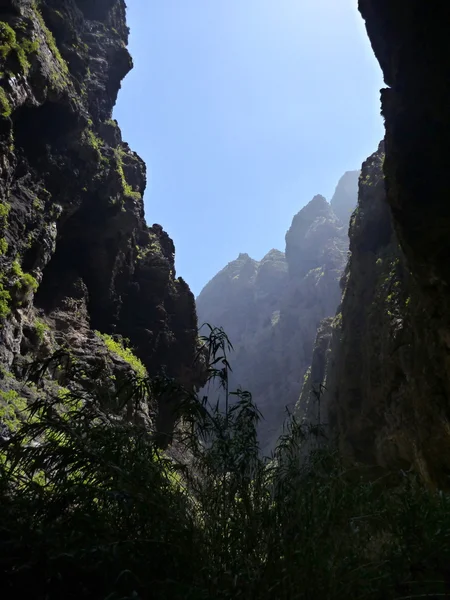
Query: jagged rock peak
x,y
274,254
271,309
315,207
344,200
312,227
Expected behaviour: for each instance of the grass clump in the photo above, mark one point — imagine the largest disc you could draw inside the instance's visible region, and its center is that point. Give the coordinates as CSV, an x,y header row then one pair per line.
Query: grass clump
x,y
95,143
24,281
152,247
59,76
40,328
4,212
126,187
49,38
9,44
125,353
7,39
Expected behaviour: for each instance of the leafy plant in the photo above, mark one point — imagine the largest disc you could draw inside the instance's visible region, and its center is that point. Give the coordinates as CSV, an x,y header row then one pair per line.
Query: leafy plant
x,y
91,507
24,281
12,409
40,328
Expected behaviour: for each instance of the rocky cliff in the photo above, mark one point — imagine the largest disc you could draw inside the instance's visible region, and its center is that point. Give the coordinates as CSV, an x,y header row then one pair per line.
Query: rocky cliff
x,y
76,253
363,362
379,369
410,41
388,378
271,308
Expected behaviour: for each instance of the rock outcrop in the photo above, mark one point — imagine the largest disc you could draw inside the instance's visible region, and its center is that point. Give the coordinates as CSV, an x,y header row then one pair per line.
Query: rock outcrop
x,y
271,308
76,253
343,200
362,360
388,377
378,365
411,44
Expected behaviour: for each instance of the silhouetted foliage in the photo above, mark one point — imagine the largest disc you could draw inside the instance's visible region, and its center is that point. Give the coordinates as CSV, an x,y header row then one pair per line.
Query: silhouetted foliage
x,y
91,508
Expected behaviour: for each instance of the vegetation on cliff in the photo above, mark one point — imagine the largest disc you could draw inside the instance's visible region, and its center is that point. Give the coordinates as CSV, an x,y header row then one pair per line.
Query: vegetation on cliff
x,y
76,253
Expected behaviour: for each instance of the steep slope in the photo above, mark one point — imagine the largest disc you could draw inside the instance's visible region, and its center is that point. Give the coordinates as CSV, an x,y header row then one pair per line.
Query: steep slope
x,y
388,376
271,309
343,200
362,357
76,253
410,41
377,366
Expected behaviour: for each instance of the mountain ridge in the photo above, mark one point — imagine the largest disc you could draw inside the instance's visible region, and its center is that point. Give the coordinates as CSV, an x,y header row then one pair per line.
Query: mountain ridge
x,y
271,308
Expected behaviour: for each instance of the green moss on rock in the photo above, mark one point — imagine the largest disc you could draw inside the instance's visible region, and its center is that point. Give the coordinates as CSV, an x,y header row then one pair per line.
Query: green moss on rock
x,y
25,281
9,44
59,77
125,353
40,328
5,299
126,187
95,143
5,106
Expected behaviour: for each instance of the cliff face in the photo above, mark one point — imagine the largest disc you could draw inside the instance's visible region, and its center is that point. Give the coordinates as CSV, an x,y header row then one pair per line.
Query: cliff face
x,y
271,309
393,406
412,46
343,200
363,357
76,253
387,368
379,364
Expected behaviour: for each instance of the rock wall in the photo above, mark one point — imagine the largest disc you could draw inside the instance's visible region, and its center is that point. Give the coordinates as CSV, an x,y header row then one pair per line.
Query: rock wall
x,y
411,43
378,365
76,253
388,371
271,308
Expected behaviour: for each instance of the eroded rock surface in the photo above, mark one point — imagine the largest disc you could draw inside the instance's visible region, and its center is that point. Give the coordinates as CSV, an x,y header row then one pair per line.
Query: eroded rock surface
x,y
378,365
410,40
76,252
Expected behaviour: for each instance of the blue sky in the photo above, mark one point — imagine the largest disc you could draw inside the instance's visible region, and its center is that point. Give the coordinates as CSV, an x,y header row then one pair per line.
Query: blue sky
x,y
244,110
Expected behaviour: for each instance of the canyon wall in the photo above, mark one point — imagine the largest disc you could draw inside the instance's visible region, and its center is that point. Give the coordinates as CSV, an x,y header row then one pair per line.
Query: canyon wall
x,y
76,254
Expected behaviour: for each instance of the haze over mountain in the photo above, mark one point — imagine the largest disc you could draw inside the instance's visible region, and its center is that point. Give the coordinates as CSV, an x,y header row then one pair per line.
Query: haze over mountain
x,y
245,107
271,308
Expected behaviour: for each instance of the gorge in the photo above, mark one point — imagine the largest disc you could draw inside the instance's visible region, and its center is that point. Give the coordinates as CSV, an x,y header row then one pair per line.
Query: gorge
x,y
120,478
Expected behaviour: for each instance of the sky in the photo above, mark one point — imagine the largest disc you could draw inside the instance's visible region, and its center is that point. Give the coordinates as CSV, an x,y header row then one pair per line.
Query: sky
x,y
244,110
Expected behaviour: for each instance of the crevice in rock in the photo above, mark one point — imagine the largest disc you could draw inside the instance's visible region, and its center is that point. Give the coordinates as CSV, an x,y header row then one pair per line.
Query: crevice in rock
x,y
65,265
